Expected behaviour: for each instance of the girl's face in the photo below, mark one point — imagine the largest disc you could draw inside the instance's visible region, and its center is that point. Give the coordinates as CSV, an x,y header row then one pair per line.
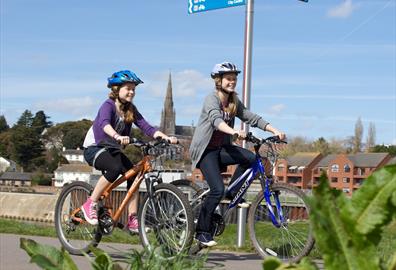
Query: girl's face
x,y
127,92
228,82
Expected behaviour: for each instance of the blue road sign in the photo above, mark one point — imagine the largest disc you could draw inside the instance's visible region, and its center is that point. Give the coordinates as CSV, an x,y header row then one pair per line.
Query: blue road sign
x,y
195,6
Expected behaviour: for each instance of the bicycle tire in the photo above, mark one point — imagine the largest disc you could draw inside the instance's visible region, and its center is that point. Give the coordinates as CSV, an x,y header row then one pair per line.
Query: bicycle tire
x,y
292,240
171,231
187,186
76,237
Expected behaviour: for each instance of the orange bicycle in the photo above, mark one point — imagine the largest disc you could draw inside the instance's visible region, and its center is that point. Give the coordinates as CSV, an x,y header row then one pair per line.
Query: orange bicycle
x,y
165,215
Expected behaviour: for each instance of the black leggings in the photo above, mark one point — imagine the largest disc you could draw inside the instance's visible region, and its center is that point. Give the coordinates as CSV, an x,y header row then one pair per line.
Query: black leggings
x,y
112,165
210,164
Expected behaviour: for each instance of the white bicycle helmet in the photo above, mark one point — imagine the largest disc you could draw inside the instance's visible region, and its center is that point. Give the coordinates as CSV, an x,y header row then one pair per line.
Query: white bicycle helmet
x,y
225,67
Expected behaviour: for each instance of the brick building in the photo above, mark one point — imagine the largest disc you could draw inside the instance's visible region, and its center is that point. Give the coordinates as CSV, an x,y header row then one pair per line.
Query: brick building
x,y
296,170
347,172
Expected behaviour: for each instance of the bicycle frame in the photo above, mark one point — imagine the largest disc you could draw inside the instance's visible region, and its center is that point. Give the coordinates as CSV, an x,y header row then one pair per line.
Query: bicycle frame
x,y
256,169
138,171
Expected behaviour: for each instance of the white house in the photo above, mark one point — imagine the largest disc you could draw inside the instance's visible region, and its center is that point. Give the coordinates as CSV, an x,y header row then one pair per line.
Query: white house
x,y
68,173
73,155
7,165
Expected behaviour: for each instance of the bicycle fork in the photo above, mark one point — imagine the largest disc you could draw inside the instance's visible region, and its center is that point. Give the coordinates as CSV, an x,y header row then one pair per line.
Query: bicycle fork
x,y
277,220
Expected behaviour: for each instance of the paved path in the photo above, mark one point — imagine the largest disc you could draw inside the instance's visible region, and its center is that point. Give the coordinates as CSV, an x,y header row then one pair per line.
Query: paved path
x,y
14,258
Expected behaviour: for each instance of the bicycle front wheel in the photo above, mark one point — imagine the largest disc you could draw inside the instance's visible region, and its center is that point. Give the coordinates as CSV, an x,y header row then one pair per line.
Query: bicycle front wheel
x,y
290,239
73,231
166,221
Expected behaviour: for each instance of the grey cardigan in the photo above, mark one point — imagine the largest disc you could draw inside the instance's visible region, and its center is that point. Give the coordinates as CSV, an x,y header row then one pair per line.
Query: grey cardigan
x,y
210,118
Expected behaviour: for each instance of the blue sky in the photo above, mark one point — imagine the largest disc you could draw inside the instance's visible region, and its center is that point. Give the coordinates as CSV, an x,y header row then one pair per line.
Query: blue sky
x,y
316,66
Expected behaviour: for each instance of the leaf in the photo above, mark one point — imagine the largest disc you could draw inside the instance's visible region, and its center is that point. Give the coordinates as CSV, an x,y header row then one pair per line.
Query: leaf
x,y
271,263
47,257
341,245
373,204
392,265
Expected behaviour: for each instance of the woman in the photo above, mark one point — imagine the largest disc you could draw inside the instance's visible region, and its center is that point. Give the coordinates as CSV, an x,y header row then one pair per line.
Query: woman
x,y
113,124
211,147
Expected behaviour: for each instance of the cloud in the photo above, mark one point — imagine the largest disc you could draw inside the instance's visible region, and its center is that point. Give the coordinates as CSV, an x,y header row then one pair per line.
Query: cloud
x,y
343,10
276,109
185,83
79,107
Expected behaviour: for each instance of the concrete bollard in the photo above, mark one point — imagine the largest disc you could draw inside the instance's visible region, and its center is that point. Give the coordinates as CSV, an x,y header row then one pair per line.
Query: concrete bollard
x,y
241,224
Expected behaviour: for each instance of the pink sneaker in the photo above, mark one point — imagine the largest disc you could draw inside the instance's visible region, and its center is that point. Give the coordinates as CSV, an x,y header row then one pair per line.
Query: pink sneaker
x,y
90,212
133,225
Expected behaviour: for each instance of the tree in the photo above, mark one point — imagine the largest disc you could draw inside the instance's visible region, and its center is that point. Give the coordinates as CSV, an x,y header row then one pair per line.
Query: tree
x,y
391,149
74,138
5,144
322,146
40,122
357,139
3,124
370,137
25,147
25,120
69,134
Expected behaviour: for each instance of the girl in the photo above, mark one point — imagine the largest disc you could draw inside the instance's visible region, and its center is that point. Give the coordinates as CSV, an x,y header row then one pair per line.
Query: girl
x,y
113,124
211,147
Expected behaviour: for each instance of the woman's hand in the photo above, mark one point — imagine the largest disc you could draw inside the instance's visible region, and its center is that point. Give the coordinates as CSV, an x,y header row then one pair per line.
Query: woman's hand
x,y
172,140
280,134
241,134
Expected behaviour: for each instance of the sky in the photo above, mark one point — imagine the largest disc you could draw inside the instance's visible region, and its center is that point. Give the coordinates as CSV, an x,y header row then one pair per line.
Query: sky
x,y
316,67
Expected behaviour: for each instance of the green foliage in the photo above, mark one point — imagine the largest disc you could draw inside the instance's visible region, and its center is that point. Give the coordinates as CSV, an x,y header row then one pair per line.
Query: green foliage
x,y
102,260
26,146
3,124
40,122
276,264
70,134
5,144
391,149
47,257
348,231
25,120
41,179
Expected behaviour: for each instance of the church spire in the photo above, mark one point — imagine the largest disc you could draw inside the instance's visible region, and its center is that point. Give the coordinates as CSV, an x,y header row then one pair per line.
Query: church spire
x,y
168,116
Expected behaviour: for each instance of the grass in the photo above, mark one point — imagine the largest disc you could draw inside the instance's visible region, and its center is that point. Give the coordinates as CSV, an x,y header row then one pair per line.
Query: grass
x,y
28,228
226,242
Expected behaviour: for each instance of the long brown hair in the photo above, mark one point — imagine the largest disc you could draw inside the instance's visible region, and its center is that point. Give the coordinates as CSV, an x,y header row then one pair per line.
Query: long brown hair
x,y
232,98
127,108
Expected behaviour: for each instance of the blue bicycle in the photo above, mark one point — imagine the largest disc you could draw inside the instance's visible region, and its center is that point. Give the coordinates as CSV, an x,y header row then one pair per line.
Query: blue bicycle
x,y
278,218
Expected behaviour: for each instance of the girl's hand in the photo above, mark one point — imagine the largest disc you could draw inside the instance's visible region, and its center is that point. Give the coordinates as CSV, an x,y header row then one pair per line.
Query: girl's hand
x,y
124,140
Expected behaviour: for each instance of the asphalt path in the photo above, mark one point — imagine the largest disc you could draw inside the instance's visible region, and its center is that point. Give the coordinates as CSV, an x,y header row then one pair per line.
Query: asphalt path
x,y
12,257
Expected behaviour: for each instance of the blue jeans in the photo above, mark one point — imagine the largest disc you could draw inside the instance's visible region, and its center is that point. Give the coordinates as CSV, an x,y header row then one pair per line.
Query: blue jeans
x,y
210,165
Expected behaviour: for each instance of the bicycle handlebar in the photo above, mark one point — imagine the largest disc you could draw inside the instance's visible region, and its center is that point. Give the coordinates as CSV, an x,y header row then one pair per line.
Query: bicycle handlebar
x,y
251,138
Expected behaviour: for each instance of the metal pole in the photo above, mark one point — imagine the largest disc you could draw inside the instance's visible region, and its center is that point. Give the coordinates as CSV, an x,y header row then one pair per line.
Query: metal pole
x,y
247,67
241,226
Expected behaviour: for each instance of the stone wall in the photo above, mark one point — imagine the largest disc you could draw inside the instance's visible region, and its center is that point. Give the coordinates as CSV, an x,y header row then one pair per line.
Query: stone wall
x,y
28,206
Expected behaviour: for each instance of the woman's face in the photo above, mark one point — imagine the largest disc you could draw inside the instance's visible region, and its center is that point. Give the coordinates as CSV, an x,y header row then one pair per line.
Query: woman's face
x,y
127,92
228,82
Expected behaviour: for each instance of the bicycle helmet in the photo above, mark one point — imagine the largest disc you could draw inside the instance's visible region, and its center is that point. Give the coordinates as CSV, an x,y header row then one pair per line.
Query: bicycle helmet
x,y
123,76
225,67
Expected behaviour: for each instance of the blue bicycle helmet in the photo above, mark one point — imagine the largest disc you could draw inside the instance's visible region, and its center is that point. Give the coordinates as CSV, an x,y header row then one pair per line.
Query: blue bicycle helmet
x,y
123,76
225,67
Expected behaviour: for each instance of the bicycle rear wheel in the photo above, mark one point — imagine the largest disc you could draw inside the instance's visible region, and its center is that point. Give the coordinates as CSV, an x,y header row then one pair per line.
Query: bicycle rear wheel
x,y
166,223
292,239
74,233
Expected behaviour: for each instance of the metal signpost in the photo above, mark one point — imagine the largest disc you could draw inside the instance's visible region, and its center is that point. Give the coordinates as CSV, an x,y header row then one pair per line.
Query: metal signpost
x,y
195,6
